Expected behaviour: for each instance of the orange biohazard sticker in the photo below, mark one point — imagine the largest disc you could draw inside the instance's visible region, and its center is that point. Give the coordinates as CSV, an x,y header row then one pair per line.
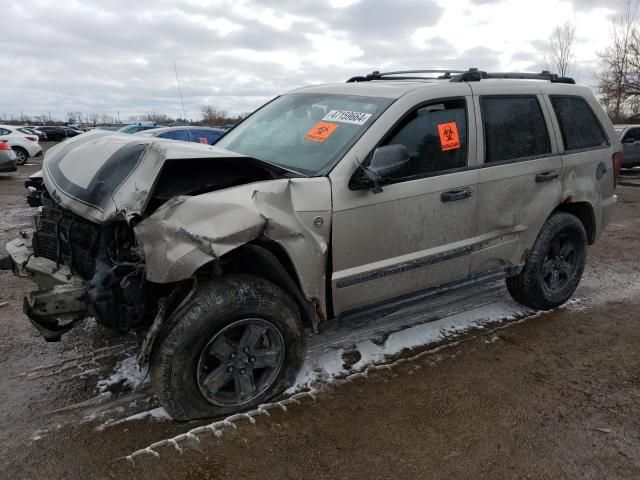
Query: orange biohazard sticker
x,y
449,139
320,132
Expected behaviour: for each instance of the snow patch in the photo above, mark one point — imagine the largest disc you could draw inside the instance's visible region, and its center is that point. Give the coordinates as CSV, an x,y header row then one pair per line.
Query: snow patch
x,y
127,374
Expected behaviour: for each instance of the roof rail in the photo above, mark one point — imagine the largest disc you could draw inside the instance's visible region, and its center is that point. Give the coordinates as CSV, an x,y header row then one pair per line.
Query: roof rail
x,y
471,75
475,75
405,75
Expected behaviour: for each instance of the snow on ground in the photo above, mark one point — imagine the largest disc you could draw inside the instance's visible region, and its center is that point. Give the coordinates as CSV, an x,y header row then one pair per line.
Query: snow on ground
x,y
127,375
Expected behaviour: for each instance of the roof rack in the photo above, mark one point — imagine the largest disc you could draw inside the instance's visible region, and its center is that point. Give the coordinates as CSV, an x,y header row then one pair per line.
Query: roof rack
x,y
471,75
406,75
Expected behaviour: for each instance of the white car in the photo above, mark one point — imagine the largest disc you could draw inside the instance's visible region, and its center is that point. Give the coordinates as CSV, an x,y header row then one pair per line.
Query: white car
x,y
26,146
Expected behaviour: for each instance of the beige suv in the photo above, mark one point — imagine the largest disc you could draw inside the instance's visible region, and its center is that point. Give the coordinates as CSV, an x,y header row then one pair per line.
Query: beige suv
x,y
328,200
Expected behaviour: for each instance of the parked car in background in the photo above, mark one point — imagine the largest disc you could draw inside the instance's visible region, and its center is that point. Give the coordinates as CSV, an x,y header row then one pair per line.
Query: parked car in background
x,y
25,146
54,134
138,127
630,138
205,135
71,132
8,161
32,131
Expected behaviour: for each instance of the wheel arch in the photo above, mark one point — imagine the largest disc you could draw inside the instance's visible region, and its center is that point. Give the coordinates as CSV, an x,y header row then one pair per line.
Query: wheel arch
x,y
585,213
267,259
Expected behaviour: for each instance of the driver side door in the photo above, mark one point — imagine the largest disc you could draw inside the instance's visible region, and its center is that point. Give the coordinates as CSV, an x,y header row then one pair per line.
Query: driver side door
x,y
418,232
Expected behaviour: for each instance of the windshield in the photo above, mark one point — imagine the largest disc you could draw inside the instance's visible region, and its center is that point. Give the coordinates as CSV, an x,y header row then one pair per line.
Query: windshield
x,y
304,132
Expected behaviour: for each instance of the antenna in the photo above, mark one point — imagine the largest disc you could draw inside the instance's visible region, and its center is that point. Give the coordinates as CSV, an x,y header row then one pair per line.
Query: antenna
x,y
175,69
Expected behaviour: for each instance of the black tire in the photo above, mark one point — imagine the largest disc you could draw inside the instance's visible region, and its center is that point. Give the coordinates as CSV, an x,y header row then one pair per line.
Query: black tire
x,y
21,155
217,306
547,281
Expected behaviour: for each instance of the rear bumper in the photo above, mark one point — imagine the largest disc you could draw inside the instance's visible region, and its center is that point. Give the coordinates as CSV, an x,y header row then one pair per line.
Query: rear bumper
x,y
60,303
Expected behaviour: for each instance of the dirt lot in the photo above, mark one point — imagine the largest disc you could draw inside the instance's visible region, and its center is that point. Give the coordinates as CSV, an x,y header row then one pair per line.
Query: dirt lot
x,y
548,395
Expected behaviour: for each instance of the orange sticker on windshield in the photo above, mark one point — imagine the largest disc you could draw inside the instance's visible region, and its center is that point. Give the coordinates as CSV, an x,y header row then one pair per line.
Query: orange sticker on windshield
x,y
449,139
320,132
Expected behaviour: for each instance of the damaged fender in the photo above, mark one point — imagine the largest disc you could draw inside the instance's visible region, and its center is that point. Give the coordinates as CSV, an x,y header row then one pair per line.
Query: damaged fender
x,y
189,232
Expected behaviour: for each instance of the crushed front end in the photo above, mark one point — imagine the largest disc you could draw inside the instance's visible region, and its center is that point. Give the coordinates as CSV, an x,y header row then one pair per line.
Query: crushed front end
x,y
82,269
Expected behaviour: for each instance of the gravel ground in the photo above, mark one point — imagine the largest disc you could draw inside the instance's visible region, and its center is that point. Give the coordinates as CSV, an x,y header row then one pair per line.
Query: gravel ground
x,y
554,395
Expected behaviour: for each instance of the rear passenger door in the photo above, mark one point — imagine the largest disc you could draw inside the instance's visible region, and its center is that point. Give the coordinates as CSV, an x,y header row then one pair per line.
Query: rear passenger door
x,y
519,174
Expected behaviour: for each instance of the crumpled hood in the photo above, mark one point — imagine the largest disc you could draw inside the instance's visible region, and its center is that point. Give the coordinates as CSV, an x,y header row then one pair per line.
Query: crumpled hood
x,y
104,176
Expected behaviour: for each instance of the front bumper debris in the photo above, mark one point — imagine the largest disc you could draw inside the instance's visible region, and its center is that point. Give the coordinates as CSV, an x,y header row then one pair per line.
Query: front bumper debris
x,y
61,302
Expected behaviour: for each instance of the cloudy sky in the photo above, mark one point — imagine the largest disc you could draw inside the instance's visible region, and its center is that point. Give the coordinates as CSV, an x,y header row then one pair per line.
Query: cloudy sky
x,y
112,56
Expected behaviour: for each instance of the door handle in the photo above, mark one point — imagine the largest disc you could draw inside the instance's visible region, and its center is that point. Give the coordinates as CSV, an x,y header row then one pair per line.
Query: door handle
x,y
457,194
546,176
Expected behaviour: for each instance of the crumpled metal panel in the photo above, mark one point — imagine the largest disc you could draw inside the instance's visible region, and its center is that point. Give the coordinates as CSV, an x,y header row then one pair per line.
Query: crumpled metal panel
x,y
102,176
188,232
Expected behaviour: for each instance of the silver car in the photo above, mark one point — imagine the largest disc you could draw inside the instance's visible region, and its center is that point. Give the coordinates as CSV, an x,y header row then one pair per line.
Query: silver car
x,y
328,201
8,161
630,138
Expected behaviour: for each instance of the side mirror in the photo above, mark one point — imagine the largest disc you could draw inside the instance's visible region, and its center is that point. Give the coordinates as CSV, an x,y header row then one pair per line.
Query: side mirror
x,y
386,162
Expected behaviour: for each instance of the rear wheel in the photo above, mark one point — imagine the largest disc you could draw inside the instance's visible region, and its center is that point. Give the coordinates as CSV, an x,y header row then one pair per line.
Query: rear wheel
x,y
21,155
238,343
554,266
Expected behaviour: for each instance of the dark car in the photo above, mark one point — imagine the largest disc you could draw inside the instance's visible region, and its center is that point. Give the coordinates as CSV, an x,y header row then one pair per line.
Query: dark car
x,y
71,132
54,134
206,135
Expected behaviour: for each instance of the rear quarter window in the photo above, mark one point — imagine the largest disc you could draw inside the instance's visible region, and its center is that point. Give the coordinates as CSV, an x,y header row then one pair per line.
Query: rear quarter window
x,y
579,125
514,128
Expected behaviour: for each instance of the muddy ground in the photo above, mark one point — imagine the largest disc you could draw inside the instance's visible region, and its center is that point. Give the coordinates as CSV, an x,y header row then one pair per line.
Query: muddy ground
x,y
535,395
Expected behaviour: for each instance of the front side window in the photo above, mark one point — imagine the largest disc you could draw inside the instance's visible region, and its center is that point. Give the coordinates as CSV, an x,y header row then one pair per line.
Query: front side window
x,y
436,137
304,132
632,134
514,128
578,124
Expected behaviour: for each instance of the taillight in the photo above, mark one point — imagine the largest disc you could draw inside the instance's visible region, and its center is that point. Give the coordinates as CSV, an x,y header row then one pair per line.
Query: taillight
x,y
4,146
33,139
617,159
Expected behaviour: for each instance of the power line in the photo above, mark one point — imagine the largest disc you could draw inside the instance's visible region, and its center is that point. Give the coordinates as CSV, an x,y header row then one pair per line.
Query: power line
x,y
175,69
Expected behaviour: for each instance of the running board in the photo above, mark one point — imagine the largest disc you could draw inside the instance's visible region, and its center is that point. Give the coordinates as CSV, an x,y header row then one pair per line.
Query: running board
x,y
389,306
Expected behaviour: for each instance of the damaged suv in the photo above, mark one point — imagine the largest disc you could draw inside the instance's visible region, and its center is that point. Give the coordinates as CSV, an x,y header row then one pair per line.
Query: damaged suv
x,y
329,200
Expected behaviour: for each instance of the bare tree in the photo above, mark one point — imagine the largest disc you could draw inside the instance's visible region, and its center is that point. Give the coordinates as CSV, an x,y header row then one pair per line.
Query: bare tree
x,y
620,62
211,116
560,53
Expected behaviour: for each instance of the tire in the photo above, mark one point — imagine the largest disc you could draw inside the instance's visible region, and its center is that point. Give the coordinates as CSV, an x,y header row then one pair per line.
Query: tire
x,y
554,266
21,155
224,307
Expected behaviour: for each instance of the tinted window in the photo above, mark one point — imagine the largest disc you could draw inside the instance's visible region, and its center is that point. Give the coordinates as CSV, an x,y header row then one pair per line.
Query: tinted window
x,y
633,133
436,137
578,124
205,136
176,135
514,127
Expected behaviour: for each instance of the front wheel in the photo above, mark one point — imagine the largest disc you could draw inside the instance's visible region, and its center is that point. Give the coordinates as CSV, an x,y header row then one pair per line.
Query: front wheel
x,y
554,266
237,343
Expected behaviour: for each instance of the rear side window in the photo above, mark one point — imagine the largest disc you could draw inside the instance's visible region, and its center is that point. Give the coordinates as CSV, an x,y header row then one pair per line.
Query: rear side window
x,y
514,128
436,137
176,135
578,124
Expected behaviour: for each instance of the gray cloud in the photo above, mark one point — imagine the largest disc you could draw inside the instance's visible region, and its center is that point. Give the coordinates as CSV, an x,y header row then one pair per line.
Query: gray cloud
x,y
118,55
